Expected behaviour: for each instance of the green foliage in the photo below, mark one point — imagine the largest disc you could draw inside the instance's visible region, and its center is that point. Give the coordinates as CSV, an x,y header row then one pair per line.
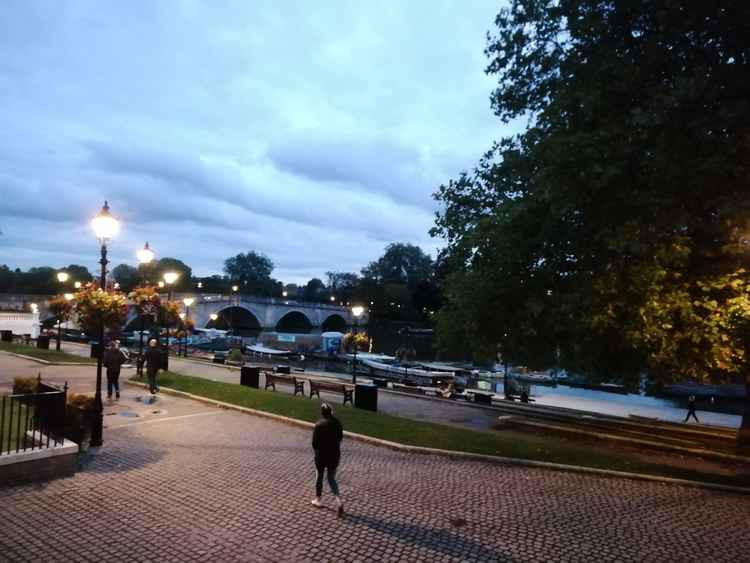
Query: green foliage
x,y
235,355
127,276
41,280
401,264
251,271
24,385
615,227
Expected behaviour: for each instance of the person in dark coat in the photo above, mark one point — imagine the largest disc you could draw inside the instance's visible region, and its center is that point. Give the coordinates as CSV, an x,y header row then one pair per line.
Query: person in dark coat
x,y
326,443
691,409
113,360
153,364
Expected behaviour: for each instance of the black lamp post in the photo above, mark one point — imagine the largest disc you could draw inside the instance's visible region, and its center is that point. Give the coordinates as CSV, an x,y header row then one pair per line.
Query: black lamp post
x,y
145,256
62,277
105,227
356,312
170,278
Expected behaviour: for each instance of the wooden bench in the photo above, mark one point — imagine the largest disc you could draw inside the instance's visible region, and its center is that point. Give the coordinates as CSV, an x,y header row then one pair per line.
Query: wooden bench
x,y
273,378
316,386
481,397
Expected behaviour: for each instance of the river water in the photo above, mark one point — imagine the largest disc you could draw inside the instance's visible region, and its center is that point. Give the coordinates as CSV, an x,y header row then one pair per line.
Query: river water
x,y
622,405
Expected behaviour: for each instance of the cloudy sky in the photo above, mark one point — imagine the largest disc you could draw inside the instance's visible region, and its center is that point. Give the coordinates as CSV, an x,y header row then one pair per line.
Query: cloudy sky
x,y
314,132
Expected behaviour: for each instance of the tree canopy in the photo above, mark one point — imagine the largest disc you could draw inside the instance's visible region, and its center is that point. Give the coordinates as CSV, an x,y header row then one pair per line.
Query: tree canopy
x,y
611,235
252,273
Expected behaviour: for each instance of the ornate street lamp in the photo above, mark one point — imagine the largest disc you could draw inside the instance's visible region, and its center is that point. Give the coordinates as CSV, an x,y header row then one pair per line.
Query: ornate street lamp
x,y
62,277
186,315
105,227
357,311
145,256
170,278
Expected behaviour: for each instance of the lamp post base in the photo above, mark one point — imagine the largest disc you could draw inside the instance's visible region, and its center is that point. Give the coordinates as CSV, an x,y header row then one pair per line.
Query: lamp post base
x,y
97,429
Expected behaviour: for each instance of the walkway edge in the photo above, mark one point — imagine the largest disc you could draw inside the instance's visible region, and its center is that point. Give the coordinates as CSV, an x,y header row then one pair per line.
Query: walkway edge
x,y
456,454
45,362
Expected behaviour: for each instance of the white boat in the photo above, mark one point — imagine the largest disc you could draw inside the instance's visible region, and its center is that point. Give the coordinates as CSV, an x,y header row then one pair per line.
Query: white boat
x,y
405,373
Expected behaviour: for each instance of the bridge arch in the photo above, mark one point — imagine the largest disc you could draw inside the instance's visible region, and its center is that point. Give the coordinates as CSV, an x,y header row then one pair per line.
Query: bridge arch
x,y
295,322
237,319
334,322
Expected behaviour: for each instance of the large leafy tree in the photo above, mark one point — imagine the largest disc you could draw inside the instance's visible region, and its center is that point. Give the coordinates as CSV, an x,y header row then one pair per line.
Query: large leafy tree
x,y
615,227
401,264
252,272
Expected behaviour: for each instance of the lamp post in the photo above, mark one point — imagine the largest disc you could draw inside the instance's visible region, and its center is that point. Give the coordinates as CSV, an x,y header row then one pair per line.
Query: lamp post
x,y
169,279
357,310
105,226
235,289
62,277
145,256
187,301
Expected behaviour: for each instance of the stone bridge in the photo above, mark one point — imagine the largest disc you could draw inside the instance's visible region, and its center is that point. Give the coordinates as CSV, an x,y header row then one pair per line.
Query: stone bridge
x,y
244,313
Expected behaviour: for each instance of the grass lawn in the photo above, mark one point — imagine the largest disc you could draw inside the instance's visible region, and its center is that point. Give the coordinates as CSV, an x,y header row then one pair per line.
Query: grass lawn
x,y
431,435
49,355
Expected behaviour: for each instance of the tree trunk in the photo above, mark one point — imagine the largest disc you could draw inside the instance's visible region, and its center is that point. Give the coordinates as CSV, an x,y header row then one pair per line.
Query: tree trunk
x,y
743,434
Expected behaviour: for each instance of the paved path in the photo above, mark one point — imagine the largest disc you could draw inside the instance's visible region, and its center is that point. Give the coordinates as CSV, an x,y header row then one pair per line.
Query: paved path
x,y
182,481
226,486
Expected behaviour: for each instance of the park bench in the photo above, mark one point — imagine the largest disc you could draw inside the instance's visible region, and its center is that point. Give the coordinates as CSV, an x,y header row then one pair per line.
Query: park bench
x,y
481,397
407,389
273,378
316,386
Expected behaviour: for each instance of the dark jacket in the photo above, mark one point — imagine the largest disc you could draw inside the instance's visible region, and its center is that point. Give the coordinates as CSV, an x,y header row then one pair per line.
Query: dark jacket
x,y
154,359
327,436
113,360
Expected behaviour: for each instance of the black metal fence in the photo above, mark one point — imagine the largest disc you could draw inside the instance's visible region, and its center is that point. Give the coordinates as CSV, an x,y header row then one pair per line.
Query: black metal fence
x,y
32,421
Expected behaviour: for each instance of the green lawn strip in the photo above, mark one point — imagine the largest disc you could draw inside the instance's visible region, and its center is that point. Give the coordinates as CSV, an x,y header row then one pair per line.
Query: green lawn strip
x,y
42,354
432,435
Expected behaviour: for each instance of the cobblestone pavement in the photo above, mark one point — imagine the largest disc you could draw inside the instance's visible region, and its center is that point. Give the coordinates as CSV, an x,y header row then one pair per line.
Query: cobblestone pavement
x,y
227,486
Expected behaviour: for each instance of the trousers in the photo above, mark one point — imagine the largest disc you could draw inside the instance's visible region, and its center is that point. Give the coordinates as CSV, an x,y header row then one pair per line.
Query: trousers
x,y
329,466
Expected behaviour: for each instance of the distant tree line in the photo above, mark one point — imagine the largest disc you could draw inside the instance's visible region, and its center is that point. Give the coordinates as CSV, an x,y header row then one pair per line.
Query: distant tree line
x,y
400,285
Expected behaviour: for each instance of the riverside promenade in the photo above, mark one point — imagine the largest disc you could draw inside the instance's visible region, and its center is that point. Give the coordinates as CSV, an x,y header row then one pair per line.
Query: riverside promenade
x,y
183,481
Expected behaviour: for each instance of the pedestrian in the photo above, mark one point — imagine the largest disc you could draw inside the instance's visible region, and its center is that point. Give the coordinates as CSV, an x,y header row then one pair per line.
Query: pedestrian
x,y
691,409
153,364
326,443
113,360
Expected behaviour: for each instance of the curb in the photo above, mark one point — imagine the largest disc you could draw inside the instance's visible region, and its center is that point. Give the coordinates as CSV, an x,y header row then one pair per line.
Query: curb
x,y
45,362
460,455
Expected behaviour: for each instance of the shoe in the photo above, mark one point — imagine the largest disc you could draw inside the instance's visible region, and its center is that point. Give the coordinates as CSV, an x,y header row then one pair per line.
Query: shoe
x,y
341,510
117,397
316,502
109,397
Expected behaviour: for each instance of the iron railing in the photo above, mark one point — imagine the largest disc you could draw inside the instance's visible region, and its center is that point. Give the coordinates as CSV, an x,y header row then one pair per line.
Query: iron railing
x,y
33,420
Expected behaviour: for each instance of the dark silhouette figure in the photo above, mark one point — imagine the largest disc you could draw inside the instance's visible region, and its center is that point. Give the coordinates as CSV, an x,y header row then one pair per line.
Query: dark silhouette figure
x,y
326,443
113,360
153,364
691,409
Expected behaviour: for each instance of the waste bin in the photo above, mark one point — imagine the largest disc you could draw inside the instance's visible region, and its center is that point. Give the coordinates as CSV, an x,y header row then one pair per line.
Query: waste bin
x,y
95,349
366,396
42,341
282,369
6,335
250,376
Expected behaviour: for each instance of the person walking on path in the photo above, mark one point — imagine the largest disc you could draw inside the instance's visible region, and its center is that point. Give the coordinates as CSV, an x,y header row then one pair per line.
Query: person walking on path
x,y
326,443
153,364
113,360
691,409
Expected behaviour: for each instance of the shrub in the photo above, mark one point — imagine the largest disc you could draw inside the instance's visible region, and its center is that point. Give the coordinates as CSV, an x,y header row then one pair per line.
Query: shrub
x,y
79,416
24,385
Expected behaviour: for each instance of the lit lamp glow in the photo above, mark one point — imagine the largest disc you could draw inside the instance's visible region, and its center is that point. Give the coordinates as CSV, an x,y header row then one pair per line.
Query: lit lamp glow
x,y
145,254
171,277
77,285
68,296
62,277
105,225
214,316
